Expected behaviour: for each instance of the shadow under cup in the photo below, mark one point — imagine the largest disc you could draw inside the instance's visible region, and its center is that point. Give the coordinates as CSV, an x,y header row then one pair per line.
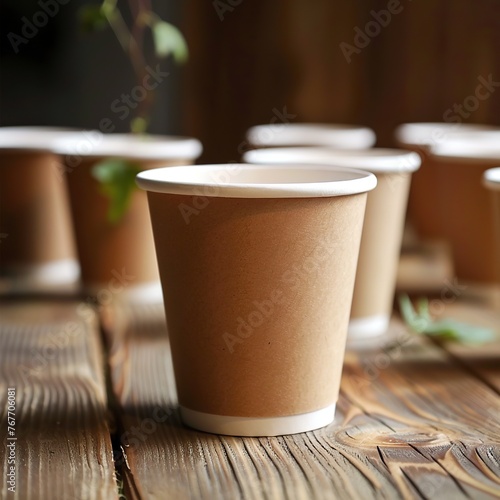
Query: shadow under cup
x,y
257,273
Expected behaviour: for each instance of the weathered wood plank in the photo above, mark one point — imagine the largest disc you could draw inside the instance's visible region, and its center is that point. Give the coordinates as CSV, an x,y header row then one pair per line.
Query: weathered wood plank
x,y
51,354
484,361
411,423
442,412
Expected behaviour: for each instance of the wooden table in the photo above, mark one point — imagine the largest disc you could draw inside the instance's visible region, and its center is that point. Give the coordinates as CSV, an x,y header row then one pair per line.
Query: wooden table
x,y
96,416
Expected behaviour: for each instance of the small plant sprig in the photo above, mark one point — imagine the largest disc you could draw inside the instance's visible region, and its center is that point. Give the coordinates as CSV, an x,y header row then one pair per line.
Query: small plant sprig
x,y
420,321
168,40
117,176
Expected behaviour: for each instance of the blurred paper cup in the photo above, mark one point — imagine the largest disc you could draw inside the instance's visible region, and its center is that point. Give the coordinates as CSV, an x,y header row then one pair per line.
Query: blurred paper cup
x,y
257,266
310,134
36,246
465,207
383,226
118,251
491,179
425,192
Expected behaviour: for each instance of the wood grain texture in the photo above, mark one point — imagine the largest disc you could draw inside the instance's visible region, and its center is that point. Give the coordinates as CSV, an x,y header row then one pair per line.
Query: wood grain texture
x,y
411,423
51,353
483,361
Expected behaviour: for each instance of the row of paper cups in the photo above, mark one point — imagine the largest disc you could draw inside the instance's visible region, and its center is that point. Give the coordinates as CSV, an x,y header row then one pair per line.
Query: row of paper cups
x,y
258,261
39,163
259,265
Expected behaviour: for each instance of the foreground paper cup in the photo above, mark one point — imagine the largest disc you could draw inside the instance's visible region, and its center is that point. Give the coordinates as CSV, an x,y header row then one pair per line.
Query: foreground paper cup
x,y
424,202
310,134
491,179
36,247
383,227
466,207
257,266
117,253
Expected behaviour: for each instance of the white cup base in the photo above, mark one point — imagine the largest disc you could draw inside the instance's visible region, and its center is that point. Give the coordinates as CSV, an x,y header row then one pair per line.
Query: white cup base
x,y
54,273
145,293
258,426
368,327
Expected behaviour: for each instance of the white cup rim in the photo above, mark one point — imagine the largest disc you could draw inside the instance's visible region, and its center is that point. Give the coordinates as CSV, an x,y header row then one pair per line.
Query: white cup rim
x,y
32,138
95,144
491,178
466,150
239,180
431,133
376,160
314,134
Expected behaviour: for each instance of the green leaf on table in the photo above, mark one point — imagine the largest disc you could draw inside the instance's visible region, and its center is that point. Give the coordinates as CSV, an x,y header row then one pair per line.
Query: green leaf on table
x,y
117,180
92,18
420,321
169,40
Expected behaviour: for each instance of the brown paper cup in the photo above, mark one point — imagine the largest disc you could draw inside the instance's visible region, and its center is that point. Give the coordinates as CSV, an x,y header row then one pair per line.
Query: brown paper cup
x,y
424,203
36,246
122,251
383,227
466,207
491,180
257,266
310,134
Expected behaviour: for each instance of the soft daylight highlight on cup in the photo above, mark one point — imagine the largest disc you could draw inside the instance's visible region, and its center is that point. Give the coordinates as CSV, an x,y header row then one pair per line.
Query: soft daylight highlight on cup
x,y
311,134
257,267
383,226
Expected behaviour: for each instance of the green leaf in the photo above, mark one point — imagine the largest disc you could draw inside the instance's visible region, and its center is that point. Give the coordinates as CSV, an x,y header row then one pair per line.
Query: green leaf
x,y
138,125
117,181
169,40
92,18
420,321
448,328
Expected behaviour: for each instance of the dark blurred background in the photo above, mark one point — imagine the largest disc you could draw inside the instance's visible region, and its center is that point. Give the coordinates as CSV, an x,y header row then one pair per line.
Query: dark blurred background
x,y
249,58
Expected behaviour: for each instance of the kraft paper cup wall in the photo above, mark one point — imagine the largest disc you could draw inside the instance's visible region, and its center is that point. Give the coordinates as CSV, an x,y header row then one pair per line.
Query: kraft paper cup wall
x,y
466,209
491,180
310,134
425,191
125,248
383,227
37,249
257,266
